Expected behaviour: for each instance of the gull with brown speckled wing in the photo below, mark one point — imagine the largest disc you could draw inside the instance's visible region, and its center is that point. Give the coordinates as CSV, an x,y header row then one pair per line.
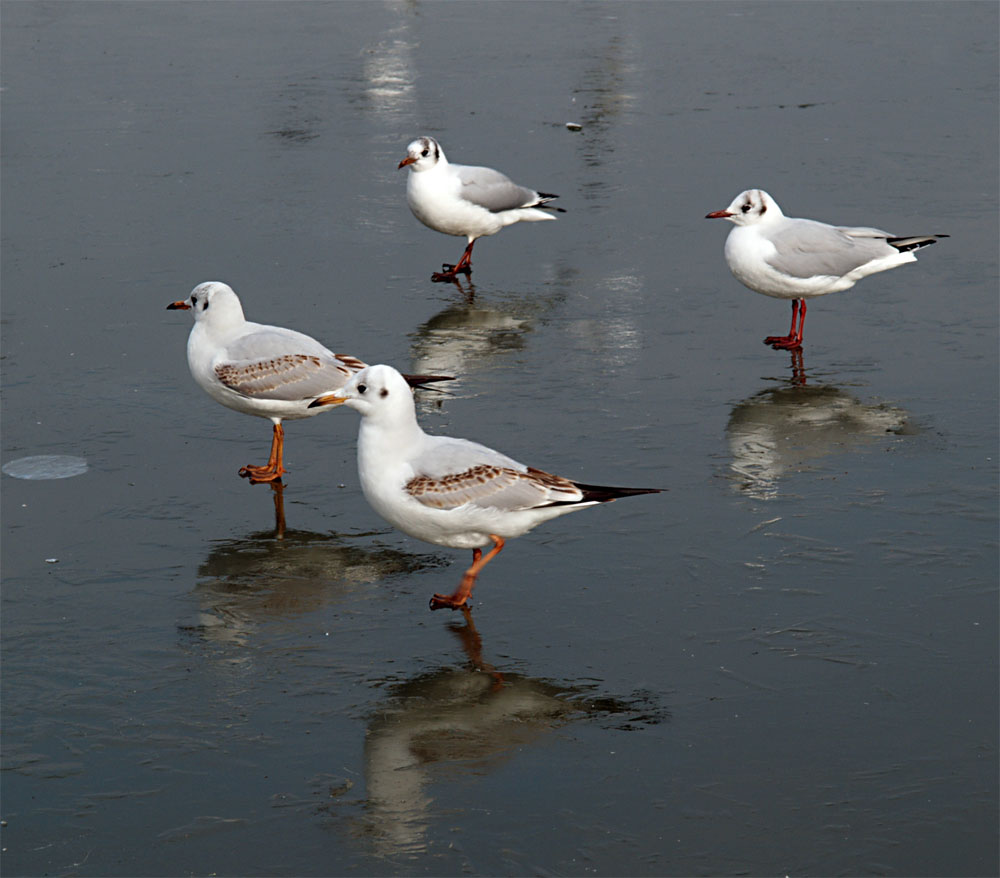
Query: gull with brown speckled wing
x,y
267,371
447,491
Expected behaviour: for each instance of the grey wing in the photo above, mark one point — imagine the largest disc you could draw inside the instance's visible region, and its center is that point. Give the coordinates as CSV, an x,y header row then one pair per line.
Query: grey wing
x,y
806,249
493,190
283,365
442,456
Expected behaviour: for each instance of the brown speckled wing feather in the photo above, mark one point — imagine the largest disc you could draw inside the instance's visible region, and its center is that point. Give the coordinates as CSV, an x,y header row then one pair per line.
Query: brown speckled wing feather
x,y
492,486
290,376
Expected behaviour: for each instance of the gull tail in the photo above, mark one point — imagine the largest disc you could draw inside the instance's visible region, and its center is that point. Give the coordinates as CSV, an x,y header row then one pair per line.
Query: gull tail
x,y
905,245
424,380
543,202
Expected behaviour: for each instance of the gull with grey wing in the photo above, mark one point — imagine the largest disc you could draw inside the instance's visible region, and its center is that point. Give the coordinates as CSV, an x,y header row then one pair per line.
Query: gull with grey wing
x,y
798,259
466,200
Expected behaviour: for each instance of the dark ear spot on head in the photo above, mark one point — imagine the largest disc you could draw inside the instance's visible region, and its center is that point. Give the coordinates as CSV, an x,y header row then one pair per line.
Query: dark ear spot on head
x,y
763,208
384,392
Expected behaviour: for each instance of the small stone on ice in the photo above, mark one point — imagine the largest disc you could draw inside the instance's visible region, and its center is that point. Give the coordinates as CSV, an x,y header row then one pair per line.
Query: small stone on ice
x,y
51,560
574,126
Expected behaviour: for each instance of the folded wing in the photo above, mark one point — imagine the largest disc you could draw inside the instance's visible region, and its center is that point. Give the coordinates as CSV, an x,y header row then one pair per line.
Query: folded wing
x,y
268,365
494,191
495,487
809,249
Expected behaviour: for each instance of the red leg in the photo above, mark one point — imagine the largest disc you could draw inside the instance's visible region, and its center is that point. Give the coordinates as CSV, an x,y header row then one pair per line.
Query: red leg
x,y
273,469
794,338
461,594
802,322
464,266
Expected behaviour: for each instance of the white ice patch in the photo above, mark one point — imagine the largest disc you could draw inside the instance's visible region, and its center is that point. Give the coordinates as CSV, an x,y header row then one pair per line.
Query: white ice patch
x,y
45,466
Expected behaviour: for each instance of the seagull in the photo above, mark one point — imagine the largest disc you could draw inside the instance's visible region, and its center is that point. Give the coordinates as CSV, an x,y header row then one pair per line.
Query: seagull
x,y
798,259
268,371
446,491
466,200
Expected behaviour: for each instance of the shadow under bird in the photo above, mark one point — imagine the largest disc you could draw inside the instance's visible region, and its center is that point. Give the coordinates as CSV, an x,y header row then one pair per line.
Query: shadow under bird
x,y
448,491
466,200
798,259
261,370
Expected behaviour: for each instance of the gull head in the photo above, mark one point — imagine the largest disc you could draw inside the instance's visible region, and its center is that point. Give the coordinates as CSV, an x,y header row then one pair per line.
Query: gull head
x,y
422,154
376,391
748,208
212,301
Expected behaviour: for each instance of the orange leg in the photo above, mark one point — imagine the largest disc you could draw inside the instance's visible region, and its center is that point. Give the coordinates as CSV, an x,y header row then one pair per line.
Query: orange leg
x,y
792,341
473,645
464,266
461,594
278,492
272,469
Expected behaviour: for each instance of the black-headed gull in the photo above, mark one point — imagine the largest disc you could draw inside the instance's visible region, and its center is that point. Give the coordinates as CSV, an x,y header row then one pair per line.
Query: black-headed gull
x,y
267,371
450,492
797,259
466,200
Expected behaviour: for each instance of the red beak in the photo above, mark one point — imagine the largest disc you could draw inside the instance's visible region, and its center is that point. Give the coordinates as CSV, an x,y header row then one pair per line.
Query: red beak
x,y
718,214
178,306
409,160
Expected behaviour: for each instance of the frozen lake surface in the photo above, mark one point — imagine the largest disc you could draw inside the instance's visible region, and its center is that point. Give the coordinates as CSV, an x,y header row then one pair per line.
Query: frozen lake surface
x,y
787,664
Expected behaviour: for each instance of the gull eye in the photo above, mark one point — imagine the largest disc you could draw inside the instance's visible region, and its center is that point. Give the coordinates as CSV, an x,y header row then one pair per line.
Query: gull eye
x,y
747,207
362,388
425,153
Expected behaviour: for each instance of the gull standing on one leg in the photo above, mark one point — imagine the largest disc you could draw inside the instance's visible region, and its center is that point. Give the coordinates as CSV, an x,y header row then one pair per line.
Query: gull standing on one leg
x,y
466,200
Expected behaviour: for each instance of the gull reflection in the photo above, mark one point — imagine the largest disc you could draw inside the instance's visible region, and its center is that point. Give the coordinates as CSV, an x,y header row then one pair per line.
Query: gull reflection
x,y
463,719
467,336
785,429
388,70
244,583
604,94
615,336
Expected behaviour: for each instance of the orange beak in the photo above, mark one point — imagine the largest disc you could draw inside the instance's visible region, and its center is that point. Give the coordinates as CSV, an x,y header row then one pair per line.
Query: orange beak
x,y
178,306
328,399
409,160
718,214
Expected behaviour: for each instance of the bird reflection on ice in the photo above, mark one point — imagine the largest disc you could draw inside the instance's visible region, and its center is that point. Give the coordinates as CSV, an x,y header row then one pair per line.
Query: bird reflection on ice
x,y
783,430
466,336
466,719
244,583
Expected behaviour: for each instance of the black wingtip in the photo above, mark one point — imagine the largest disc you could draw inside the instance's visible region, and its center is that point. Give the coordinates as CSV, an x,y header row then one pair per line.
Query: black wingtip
x,y
544,198
606,493
907,243
424,380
